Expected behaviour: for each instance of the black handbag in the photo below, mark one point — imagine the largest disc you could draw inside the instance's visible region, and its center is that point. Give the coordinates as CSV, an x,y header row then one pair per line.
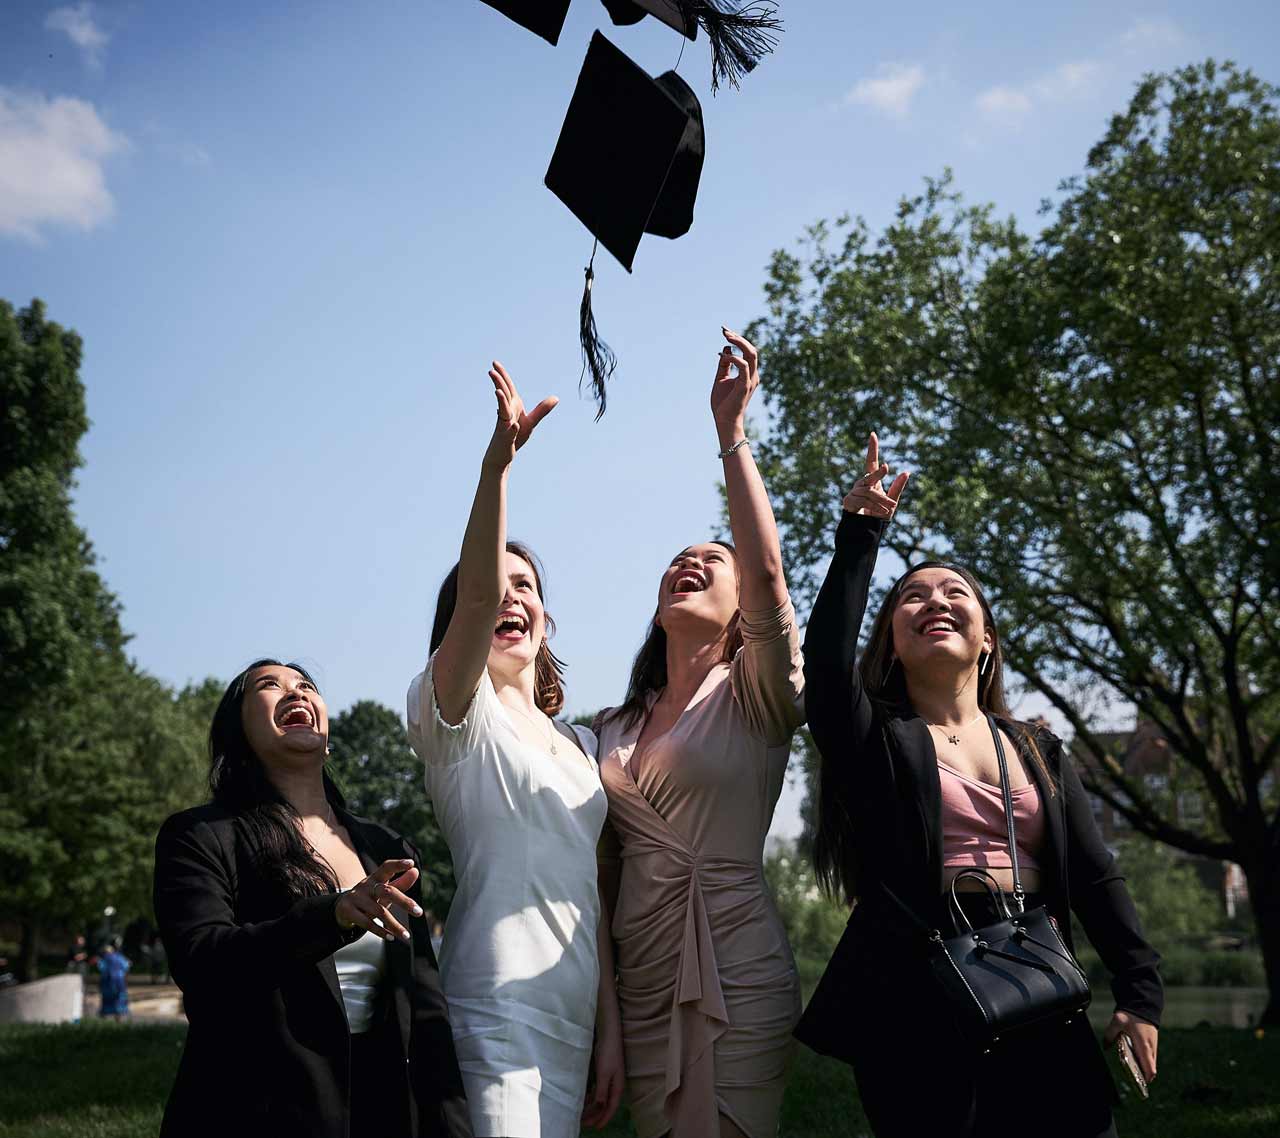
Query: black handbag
x,y
1015,972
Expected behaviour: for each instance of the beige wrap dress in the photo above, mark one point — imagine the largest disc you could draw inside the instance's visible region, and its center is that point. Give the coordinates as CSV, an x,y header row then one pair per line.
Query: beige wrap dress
x,y
706,980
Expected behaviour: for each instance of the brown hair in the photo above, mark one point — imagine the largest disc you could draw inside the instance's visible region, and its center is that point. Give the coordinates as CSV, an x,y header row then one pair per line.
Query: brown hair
x,y
548,668
649,669
884,681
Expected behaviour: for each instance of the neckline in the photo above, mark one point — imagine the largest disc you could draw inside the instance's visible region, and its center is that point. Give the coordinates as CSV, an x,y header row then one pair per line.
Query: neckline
x,y
992,786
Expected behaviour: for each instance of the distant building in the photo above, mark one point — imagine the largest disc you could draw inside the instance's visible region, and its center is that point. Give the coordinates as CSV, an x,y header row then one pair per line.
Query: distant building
x,y
1144,755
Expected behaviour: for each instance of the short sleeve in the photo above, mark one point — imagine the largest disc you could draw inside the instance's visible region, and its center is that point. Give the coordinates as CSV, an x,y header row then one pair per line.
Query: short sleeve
x,y
440,743
768,673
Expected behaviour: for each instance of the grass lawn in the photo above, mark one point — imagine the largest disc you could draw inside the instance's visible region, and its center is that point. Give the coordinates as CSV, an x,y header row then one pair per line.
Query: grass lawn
x,y
107,1080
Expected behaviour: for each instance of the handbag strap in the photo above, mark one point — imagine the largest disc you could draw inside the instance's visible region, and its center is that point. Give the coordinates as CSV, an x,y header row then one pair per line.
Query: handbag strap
x,y
1019,894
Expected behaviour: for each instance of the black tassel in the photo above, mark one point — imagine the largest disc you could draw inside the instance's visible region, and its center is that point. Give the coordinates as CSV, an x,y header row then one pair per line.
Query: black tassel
x,y
739,39
597,356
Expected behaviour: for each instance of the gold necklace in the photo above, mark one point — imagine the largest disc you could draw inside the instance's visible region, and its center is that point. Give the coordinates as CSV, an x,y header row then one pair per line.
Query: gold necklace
x,y
551,731
954,739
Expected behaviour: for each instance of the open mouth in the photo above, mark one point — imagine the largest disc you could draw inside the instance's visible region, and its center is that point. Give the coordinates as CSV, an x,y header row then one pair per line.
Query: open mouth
x,y
938,626
511,627
299,715
688,582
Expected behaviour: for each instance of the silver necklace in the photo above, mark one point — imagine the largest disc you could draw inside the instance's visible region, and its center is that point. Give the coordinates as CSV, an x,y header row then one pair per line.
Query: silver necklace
x,y
551,731
954,739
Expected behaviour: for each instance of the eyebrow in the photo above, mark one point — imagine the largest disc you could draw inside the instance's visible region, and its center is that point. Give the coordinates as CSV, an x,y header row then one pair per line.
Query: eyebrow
x,y
945,581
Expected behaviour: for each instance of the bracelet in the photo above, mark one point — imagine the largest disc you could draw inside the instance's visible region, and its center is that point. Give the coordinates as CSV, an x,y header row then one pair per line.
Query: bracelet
x,y
742,442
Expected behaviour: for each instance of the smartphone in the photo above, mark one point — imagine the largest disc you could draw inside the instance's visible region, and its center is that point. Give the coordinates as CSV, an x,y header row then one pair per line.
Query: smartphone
x,y
1129,1061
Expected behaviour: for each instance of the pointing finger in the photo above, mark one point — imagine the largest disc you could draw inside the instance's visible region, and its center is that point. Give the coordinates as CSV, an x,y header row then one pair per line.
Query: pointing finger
x,y
873,453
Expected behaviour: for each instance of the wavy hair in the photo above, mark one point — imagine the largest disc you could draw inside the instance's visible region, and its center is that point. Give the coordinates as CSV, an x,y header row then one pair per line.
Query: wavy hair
x,y
548,668
238,781
884,681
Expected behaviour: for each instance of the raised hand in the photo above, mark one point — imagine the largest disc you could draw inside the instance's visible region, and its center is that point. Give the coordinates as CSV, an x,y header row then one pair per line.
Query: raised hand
x,y
367,904
515,424
868,497
737,377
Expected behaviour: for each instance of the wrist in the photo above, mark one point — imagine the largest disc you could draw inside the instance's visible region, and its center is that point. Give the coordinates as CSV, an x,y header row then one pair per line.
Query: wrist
x,y
729,433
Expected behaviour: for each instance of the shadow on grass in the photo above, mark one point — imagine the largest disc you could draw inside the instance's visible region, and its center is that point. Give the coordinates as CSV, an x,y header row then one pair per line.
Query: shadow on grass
x,y
106,1080
90,1080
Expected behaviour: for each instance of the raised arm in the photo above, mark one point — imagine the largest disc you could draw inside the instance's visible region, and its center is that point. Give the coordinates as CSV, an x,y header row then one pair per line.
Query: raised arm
x,y
755,533
838,708
481,580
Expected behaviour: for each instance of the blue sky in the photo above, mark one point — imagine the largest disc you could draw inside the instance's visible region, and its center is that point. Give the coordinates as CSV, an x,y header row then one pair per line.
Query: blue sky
x,y
293,235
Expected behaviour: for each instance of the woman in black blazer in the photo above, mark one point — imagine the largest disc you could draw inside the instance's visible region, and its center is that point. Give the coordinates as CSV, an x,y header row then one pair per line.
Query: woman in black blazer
x,y
909,718
296,933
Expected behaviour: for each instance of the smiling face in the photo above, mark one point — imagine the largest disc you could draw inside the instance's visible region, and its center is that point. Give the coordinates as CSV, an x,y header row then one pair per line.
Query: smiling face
x,y
284,716
521,623
699,588
938,623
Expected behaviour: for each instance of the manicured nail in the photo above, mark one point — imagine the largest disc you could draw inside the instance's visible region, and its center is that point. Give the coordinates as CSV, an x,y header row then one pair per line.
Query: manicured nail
x,y
405,935
417,912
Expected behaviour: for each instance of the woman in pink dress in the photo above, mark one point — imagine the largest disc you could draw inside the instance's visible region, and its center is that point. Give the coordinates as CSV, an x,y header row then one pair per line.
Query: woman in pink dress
x,y
693,762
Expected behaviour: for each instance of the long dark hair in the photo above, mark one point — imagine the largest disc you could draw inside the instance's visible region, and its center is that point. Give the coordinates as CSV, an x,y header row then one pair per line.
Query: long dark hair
x,y
884,681
238,781
649,669
548,668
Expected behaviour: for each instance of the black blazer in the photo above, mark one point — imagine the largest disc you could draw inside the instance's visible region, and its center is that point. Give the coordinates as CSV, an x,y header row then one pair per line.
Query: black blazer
x,y
268,1049
887,767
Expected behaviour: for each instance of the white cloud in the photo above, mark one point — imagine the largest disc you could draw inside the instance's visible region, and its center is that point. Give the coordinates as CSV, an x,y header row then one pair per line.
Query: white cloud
x,y
1068,80
1082,79
1004,103
1144,35
77,22
51,163
892,89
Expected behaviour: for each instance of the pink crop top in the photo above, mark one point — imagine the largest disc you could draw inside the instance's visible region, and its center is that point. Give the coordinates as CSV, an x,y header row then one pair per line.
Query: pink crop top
x,y
973,826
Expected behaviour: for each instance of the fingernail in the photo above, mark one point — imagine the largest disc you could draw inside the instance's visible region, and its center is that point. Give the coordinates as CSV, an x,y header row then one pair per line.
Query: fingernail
x,y
405,935
417,912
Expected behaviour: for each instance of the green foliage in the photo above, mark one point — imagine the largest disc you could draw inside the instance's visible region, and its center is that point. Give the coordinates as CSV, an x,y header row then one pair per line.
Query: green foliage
x,y
813,922
381,777
54,609
86,783
1090,415
1172,900
93,753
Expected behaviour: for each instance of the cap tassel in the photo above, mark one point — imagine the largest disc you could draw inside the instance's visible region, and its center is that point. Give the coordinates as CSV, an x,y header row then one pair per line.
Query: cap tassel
x,y
597,356
739,39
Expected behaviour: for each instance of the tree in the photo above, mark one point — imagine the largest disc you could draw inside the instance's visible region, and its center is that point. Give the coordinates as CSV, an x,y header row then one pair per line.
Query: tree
x,y
1093,420
381,777
814,922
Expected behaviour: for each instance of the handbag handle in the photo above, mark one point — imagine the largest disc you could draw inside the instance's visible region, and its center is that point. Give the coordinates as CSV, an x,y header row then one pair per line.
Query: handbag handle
x,y
1019,894
992,887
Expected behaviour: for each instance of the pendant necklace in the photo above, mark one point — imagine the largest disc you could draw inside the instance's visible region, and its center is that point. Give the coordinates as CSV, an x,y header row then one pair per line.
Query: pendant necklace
x,y
954,739
551,731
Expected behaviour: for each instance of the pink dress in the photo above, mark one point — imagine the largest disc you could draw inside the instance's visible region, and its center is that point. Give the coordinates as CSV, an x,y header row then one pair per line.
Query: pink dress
x,y
706,979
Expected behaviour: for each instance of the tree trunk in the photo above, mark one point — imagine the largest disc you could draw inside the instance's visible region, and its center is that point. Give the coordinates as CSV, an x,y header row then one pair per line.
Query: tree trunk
x,y
1264,896
29,954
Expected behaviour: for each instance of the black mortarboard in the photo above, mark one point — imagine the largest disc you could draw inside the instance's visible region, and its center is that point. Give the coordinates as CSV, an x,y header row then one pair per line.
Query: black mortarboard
x,y
741,34
627,163
543,17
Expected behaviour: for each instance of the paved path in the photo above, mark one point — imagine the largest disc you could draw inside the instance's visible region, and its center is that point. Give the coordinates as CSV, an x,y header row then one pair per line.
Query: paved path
x,y
151,1003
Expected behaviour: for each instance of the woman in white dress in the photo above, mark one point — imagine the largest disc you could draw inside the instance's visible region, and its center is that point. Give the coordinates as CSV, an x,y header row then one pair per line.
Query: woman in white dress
x,y
526,967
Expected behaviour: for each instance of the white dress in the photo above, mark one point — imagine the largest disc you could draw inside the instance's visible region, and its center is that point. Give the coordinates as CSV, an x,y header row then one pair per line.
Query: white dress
x,y
518,964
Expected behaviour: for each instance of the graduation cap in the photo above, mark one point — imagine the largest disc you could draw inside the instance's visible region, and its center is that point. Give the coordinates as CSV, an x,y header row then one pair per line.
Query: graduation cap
x,y
627,163
542,17
740,34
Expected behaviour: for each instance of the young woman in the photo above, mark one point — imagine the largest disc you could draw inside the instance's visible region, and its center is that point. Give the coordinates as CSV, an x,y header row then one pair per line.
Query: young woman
x,y
296,934
909,797
693,764
527,969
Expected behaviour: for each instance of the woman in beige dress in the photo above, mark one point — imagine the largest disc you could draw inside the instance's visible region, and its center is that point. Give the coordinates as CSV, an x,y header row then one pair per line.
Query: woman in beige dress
x,y
693,762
